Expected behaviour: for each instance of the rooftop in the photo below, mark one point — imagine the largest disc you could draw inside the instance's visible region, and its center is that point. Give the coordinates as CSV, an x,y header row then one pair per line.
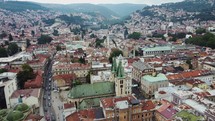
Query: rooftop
x,y
188,116
88,90
158,78
157,48
122,104
141,65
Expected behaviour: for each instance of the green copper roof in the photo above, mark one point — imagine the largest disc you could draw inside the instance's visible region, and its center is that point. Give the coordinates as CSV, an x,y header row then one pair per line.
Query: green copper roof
x,y
15,116
88,103
22,107
186,116
157,48
158,78
88,90
120,70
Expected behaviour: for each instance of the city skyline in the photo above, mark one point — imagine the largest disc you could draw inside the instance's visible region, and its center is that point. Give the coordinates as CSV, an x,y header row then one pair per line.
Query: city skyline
x,y
148,2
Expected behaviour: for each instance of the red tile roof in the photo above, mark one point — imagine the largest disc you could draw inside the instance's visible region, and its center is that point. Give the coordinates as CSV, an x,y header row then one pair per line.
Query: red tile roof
x,y
35,83
83,115
148,105
26,93
190,74
68,78
111,101
68,105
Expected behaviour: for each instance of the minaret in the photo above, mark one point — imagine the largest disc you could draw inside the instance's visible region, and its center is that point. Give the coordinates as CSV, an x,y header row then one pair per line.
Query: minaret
x,y
108,41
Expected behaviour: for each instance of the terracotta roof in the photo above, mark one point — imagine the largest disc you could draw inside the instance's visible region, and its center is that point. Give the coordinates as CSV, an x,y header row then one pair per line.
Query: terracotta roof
x,y
190,74
68,78
169,112
148,105
83,115
35,83
194,81
111,101
68,105
26,93
33,117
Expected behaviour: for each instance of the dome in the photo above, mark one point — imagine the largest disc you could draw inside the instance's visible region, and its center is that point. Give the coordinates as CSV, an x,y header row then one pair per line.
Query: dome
x,y
15,116
22,107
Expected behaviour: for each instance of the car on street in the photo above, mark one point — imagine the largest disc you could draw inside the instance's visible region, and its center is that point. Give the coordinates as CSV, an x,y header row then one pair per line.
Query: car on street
x,y
49,104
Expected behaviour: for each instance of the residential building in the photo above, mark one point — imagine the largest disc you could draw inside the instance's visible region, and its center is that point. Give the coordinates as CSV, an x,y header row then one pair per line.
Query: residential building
x,y
157,50
165,112
8,84
151,83
64,80
140,69
31,97
127,109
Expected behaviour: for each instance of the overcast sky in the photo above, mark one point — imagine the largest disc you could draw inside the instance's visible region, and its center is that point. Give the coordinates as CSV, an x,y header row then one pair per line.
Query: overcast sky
x,y
148,2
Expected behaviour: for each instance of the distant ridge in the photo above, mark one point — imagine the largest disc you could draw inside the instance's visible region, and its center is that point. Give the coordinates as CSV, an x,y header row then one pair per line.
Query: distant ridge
x,y
19,6
124,9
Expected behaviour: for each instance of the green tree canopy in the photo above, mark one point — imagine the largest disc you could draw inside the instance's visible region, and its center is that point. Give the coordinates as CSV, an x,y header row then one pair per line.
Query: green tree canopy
x,y
200,31
134,35
206,40
10,37
58,48
114,53
28,43
12,49
3,52
24,75
44,39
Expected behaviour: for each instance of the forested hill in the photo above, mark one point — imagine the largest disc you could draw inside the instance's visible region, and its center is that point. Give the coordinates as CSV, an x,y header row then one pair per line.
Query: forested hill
x,y
18,6
202,10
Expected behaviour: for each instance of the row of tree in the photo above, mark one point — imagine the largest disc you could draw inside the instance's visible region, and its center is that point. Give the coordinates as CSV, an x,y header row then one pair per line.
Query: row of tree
x,y
206,40
11,50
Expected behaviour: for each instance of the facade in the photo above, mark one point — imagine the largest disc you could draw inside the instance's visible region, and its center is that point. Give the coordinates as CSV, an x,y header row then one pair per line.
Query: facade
x,y
127,109
80,70
151,83
140,69
123,83
64,80
8,84
210,114
31,97
156,50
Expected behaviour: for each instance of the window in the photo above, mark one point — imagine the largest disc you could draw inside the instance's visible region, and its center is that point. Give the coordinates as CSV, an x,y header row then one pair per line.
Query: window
x,y
121,81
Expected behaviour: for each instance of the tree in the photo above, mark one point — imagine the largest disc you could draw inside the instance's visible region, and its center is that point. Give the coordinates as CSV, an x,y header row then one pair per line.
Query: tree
x,y
114,53
24,75
44,39
55,33
3,52
134,35
2,70
12,49
125,33
188,61
200,31
82,60
28,43
23,33
3,34
10,37
58,48
6,43
33,33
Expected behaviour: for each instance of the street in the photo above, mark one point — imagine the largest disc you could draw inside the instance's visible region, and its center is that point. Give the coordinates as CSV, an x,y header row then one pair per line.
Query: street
x,y
49,112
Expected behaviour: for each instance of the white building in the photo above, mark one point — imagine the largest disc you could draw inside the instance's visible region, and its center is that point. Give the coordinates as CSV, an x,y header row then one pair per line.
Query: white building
x,y
8,84
31,97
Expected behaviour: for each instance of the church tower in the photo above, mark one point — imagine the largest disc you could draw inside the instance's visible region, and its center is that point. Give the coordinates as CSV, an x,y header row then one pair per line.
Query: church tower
x,y
123,82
